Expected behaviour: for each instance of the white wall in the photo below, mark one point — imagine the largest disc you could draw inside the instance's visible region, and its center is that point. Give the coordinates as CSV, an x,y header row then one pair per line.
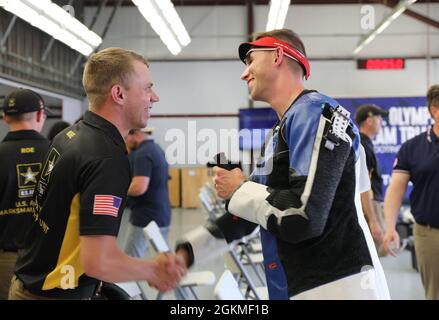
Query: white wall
x,y
72,109
343,79
199,87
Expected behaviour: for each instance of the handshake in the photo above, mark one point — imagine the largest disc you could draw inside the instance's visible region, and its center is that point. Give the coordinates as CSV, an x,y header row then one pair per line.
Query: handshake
x,y
167,270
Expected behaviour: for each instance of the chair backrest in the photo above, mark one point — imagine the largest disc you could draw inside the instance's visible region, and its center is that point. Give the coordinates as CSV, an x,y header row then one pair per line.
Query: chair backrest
x,y
207,205
255,234
227,288
230,264
152,232
210,192
205,199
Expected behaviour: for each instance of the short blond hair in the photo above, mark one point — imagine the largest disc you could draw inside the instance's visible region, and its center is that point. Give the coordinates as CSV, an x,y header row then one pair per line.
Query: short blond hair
x,y
104,69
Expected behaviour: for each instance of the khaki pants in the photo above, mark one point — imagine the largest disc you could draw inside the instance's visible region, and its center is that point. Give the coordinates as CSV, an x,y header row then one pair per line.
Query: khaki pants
x,y
7,265
427,254
379,210
18,292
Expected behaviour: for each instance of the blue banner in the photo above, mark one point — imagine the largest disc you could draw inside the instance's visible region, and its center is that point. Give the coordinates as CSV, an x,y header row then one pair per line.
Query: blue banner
x,y
408,117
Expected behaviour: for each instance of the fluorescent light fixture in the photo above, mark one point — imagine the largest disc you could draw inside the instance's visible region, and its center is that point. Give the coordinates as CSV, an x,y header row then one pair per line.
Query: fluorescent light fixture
x,y
166,22
277,14
395,13
55,21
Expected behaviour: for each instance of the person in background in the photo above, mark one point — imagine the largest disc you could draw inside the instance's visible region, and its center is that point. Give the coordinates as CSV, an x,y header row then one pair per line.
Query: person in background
x,y
148,195
21,154
369,118
56,128
418,161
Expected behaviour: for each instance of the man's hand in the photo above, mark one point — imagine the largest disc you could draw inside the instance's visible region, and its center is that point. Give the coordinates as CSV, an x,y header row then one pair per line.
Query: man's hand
x,y
184,255
390,237
226,182
377,232
167,271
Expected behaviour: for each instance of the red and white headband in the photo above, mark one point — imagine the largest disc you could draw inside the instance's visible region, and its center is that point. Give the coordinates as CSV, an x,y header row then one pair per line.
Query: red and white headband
x,y
270,42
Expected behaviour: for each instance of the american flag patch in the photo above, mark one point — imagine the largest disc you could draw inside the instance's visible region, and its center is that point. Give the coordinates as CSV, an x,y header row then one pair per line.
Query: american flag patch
x,y
106,205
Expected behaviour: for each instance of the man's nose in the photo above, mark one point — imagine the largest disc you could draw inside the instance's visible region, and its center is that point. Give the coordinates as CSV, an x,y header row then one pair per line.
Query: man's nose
x,y
155,97
245,74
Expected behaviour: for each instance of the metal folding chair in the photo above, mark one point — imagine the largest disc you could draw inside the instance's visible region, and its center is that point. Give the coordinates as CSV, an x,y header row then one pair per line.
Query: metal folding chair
x,y
227,288
192,279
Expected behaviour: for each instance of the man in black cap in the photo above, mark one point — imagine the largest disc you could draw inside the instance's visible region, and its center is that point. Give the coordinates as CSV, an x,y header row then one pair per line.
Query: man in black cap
x,y
369,118
21,154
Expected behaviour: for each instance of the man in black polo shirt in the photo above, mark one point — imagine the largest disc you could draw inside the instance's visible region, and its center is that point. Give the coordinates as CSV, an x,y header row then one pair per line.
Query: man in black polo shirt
x,y
81,193
418,161
21,154
369,118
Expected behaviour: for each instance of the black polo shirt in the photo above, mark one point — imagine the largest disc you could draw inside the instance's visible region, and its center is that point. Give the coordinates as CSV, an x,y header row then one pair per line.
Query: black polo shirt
x,y
81,192
373,166
419,157
21,155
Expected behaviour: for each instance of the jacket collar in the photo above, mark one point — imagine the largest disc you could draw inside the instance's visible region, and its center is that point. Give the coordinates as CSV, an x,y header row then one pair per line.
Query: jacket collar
x,y
23,135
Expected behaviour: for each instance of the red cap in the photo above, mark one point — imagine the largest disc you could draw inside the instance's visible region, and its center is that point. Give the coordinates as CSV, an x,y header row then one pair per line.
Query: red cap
x,y
270,42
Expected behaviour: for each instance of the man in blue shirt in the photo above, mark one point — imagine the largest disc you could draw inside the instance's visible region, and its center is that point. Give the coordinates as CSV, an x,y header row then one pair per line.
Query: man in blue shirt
x,y
148,193
418,161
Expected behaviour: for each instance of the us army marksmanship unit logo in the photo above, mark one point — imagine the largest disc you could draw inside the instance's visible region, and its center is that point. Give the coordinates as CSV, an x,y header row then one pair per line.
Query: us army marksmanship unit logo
x,y
27,174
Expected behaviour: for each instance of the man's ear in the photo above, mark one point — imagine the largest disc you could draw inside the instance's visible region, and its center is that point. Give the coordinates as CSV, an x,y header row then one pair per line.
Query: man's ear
x,y
279,56
117,93
40,115
434,111
369,120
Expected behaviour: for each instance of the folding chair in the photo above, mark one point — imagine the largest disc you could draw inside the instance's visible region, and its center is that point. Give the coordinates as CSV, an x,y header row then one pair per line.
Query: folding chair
x,y
131,288
227,288
235,265
192,279
213,206
249,251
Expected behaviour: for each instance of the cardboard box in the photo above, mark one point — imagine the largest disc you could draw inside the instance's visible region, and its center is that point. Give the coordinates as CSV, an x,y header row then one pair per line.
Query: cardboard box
x,y
192,179
174,186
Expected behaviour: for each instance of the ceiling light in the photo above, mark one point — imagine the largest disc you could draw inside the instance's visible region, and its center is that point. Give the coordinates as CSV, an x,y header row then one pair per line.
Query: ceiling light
x,y
55,21
395,13
277,14
166,22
